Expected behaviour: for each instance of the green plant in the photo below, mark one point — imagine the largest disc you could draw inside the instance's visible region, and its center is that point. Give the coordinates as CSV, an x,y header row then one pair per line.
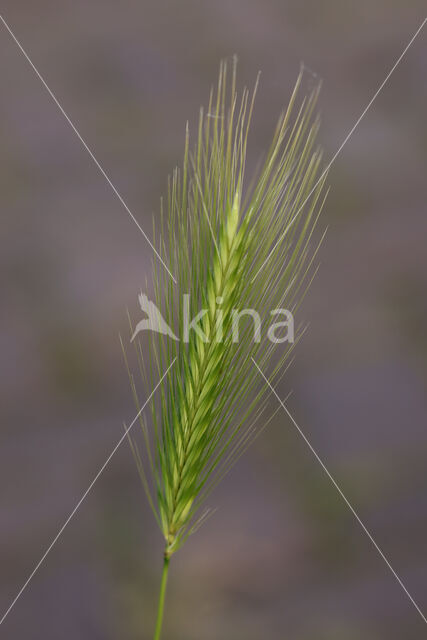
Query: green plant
x,y
230,245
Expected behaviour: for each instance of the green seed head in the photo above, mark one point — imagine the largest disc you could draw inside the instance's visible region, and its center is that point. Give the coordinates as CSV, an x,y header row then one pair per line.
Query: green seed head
x,y
226,255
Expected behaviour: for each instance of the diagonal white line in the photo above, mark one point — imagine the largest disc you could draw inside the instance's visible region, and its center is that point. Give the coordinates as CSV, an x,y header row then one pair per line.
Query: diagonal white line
x,y
322,464
104,174
61,531
346,139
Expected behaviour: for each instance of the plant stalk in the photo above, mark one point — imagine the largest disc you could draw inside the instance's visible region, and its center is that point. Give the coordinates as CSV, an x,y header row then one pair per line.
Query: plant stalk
x,y
162,594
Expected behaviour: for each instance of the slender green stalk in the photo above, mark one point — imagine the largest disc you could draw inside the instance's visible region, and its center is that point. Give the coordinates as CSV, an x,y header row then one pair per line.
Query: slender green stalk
x,y
162,595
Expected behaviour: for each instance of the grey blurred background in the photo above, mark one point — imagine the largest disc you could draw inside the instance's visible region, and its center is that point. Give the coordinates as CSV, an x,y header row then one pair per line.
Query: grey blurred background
x,y
283,557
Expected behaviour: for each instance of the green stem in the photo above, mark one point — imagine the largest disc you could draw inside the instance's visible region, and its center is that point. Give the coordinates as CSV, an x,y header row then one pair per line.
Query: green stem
x,y
162,598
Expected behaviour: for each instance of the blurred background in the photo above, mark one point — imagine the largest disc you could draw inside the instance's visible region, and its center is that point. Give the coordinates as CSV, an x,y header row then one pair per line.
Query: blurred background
x,y
283,557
